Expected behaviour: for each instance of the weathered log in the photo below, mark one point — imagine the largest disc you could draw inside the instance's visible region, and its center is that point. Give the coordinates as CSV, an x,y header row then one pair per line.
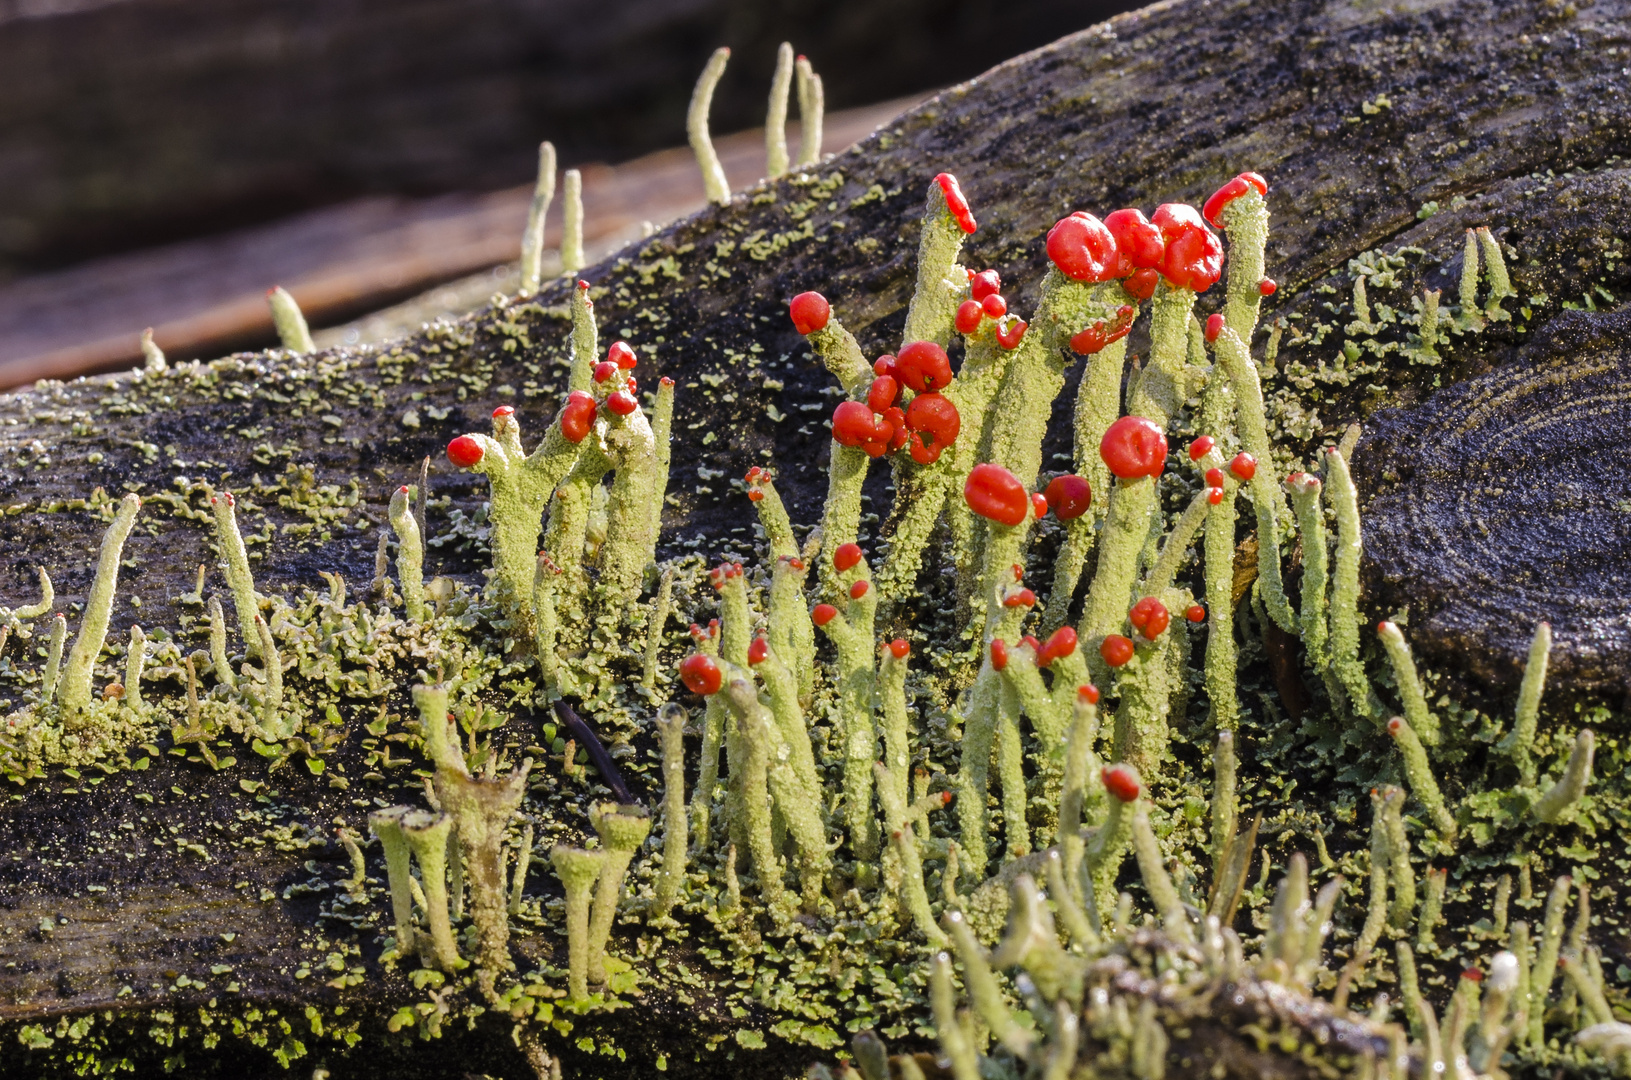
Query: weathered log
x,y
1358,115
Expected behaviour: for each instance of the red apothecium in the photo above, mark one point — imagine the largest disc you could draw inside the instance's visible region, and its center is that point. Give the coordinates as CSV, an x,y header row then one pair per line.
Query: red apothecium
x,y
1134,447
995,493
810,312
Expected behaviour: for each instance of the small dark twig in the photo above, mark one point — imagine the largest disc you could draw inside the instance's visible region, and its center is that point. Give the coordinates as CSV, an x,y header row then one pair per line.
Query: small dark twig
x,y
597,753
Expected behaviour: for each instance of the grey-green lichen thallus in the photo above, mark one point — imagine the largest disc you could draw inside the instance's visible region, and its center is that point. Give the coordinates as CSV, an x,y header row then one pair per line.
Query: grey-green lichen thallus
x,y
1018,832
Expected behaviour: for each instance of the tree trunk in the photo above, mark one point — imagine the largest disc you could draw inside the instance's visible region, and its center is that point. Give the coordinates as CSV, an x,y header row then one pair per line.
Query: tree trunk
x,y
1361,116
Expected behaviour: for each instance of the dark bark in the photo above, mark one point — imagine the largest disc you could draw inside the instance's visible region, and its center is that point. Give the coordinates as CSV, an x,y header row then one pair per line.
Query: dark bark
x,y
1160,105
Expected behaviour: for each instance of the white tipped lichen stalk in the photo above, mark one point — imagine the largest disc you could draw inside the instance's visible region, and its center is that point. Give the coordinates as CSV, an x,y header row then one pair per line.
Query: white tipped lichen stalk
x,y
532,238
714,184
1408,682
752,782
578,870
77,676
983,990
943,1000
1558,802
218,646
1519,745
236,559
776,114
1398,846
387,825
523,860
1500,285
291,327
571,222
1547,950
671,878
410,553
812,107
1267,498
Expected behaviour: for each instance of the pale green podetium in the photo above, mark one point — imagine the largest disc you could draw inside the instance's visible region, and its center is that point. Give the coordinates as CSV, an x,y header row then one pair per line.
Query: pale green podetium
x,y
11,617
292,331
135,662
1420,776
671,878
387,825
152,355
410,553
218,646
776,161
812,106
75,694
532,238
1559,801
578,870
1408,682
571,222
1344,499
622,829
714,184
235,560
1519,745
51,676
427,833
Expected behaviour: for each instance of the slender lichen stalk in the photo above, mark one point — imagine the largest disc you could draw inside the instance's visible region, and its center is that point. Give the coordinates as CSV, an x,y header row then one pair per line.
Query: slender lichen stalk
x,y
152,355
387,825
51,674
1419,773
235,558
812,106
578,870
427,834
671,878
532,238
1519,745
1548,948
1375,910
776,114
1344,499
523,861
622,830
1399,869
905,846
1408,682
1559,801
75,695
135,661
751,769
410,553
572,259
714,184
292,332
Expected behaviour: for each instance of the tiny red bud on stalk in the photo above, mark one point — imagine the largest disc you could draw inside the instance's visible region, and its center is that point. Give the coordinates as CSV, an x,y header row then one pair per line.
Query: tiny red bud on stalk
x,y
885,365
923,365
665,381
899,648
1214,495
503,412
882,394
1082,248
1039,504
955,202
1020,598
1061,643
859,589
1473,974
633,384
1395,725
1134,447
1201,447
984,284
604,370
464,451
969,314
1101,333
1195,613
758,651
1193,258
577,416
999,654
1088,692
1116,650
1244,466
809,312
1266,287
1011,332
1018,571
1069,495
995,493
622,403
701,675
1150,617
846,556
994,306
1214,477
822,614
1214,327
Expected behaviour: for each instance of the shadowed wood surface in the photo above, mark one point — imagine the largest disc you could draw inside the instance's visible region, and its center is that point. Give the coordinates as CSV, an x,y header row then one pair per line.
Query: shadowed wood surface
x,y
1511,115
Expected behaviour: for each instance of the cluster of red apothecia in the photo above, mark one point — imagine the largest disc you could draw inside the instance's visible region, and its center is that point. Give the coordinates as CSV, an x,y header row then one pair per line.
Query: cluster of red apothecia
x,y
578,413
